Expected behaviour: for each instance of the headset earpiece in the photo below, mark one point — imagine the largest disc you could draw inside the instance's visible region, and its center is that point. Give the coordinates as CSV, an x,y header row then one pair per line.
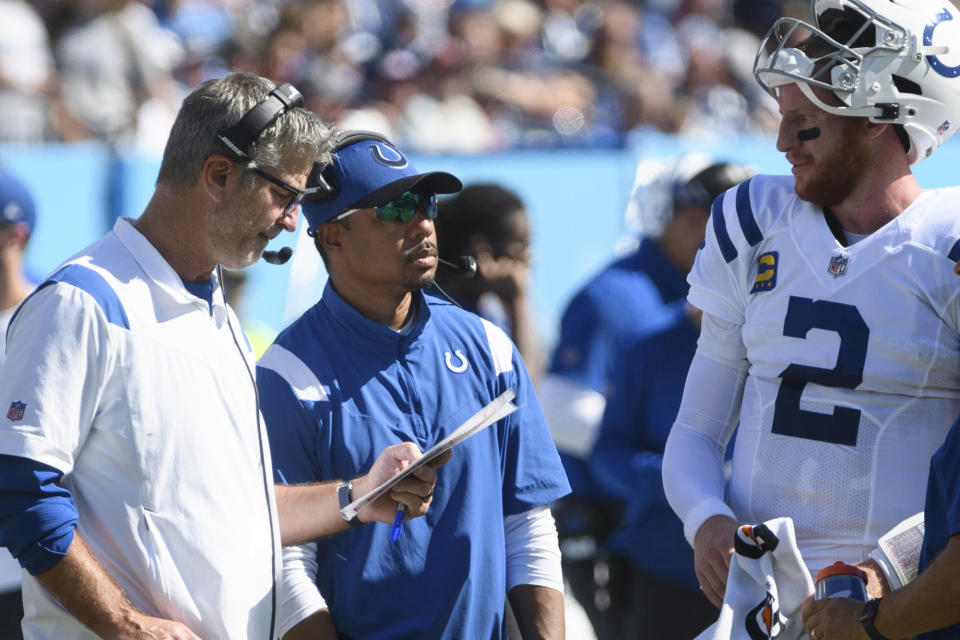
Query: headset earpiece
x,y
327,191
330,189
241,138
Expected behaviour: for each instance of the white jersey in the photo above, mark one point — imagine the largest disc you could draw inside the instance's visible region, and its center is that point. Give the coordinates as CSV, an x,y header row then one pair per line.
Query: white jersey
x,y
142,395
854,376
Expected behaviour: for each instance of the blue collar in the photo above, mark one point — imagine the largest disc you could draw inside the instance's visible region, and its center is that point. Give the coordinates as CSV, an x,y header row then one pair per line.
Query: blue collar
x,y
202,290
358,326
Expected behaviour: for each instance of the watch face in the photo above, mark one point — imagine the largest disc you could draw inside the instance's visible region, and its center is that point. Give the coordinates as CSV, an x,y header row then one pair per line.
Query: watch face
x,y
345,497
343,494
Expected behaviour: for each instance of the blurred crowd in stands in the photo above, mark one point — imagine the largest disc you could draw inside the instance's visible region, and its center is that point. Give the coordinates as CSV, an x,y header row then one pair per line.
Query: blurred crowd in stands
x,y
462,76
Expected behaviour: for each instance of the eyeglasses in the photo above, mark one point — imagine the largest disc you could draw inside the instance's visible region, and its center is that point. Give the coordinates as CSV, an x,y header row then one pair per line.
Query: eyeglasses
x,y
298,194
402,208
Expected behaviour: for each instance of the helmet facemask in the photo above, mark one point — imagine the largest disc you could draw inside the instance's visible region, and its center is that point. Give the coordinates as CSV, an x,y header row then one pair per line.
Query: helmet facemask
x,y
883,67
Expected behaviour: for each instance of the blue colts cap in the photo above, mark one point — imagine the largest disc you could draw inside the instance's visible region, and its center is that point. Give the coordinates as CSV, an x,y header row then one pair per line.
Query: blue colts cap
x,y
368,171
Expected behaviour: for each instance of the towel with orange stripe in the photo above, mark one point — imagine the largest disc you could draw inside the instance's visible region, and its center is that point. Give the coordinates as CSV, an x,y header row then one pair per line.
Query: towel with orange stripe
x,y
767,583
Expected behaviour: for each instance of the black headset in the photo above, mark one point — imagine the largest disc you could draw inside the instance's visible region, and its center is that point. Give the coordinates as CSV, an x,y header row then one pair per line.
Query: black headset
x,y
241,141
329,188
241,138
464,267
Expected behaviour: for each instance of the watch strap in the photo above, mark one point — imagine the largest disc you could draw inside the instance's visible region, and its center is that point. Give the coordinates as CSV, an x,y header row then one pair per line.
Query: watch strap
x,y
867,618
345,497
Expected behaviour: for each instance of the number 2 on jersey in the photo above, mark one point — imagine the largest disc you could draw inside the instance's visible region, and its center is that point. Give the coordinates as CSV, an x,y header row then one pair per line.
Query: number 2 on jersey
x,y
840,427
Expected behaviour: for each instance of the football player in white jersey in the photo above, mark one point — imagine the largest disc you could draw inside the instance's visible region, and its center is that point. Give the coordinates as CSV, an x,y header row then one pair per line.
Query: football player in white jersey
x,y
831,318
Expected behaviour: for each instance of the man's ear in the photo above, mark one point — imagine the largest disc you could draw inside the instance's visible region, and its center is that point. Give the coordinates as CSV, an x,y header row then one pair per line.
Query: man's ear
x,y
328,235
876,129
215,174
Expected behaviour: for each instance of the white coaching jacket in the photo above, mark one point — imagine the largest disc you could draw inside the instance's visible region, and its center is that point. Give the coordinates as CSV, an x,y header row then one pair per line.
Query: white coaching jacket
x,y
141,394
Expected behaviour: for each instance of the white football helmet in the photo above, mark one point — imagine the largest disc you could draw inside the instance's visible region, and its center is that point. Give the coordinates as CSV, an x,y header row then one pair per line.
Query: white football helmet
x,y
660,186
892,61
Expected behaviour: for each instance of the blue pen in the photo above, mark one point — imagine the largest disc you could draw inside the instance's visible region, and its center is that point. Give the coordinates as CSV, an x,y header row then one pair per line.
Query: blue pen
x,y
398,522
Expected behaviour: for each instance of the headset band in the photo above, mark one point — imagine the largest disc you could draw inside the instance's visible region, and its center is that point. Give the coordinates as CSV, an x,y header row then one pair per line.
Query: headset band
x,y
240,139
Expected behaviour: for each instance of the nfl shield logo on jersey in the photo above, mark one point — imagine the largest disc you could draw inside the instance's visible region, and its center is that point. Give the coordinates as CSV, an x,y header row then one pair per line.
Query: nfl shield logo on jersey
x,y
15,412
838,265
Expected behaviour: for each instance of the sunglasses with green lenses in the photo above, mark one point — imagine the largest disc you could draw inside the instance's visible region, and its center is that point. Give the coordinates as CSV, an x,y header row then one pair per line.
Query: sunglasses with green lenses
x,y
402,208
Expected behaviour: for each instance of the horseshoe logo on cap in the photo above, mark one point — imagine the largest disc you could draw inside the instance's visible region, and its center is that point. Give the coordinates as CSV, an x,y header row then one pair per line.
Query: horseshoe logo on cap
x,y
459,368
398,161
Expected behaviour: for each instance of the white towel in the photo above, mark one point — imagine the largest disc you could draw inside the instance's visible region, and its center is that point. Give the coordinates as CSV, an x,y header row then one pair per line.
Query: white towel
x,y
766,585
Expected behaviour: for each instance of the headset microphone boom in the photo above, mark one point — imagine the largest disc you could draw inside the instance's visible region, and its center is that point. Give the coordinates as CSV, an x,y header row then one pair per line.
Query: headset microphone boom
x,y
465,266
278,257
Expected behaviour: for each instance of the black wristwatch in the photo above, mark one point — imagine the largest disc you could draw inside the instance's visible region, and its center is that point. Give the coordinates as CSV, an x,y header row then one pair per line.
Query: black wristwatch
x,y
867,617
345,496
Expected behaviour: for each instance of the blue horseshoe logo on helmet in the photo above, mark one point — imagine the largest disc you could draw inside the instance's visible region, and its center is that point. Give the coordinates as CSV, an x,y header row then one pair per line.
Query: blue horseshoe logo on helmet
x,y
935,62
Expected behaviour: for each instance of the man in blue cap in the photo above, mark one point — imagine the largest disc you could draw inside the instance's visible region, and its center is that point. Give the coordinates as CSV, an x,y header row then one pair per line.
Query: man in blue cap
x,y
381,359
17,219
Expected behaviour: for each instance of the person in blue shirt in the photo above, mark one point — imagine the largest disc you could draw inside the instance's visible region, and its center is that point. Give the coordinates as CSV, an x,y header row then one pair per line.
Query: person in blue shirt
x,y
631,296
926,607
381,359
661,591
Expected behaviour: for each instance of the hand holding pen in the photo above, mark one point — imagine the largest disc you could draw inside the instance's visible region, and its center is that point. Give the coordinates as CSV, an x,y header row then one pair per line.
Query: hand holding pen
x,y
401,515
398,519
413,493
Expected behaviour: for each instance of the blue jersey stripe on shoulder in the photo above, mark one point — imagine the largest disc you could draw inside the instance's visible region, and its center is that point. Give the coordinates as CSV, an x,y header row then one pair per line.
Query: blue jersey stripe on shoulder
x,y
94,284
748,223
955,251
720,229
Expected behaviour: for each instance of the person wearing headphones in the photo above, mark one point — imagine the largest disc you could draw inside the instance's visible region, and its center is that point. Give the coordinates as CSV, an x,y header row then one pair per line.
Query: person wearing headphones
x,y
382,358
135,484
